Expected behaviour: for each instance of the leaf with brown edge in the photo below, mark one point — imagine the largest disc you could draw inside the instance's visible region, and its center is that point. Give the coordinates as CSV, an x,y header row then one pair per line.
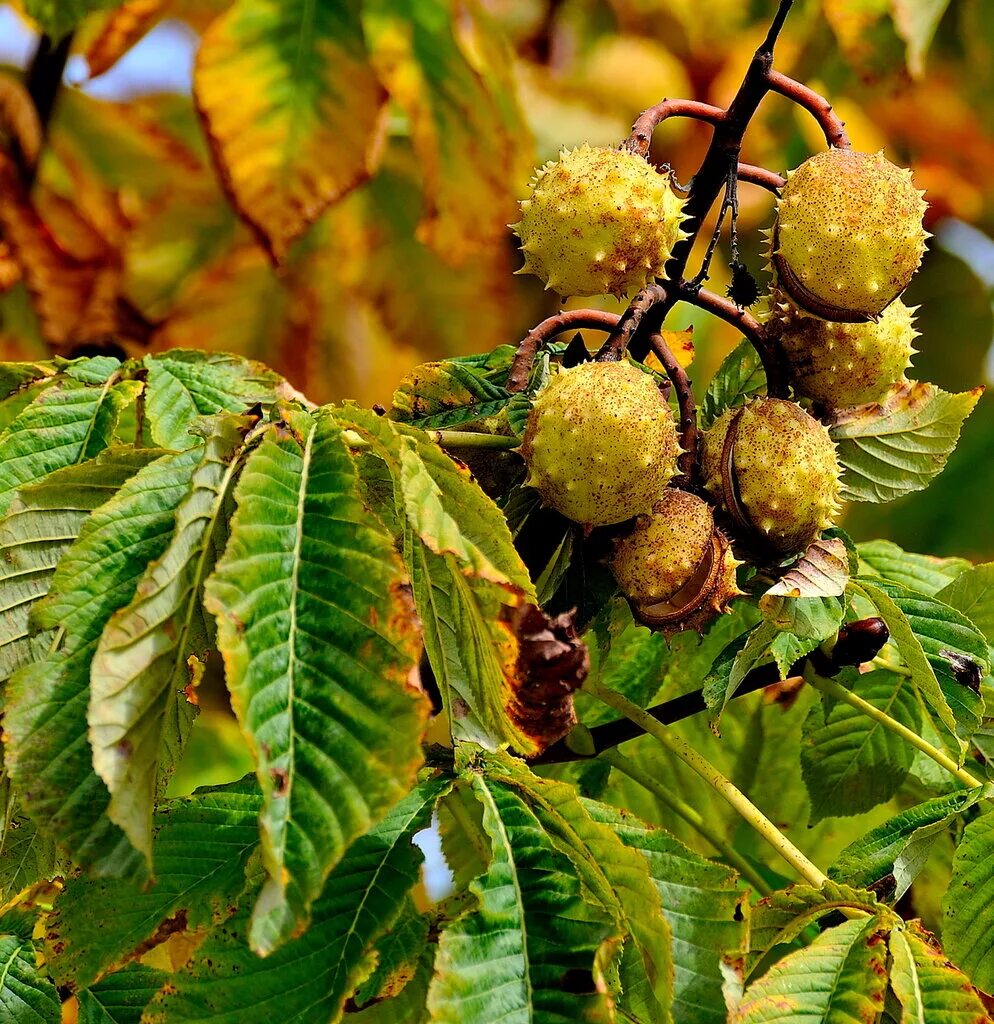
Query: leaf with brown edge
x,y
122,28
822,571
293,112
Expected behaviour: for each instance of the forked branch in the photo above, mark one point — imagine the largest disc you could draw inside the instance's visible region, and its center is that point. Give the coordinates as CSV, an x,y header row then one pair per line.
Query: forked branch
x,y
567,320
814,103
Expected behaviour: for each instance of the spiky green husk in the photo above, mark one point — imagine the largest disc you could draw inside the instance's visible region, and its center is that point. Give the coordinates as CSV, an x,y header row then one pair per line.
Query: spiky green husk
x,y
598,221
848,235
784,472
842,365
600,443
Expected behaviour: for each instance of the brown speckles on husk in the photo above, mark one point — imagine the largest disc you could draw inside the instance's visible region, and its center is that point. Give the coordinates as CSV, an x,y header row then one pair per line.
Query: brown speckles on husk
x,y
601,444
782,470
849,234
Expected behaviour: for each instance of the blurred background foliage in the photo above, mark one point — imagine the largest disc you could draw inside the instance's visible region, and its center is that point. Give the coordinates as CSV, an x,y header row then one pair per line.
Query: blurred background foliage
x,y
126,237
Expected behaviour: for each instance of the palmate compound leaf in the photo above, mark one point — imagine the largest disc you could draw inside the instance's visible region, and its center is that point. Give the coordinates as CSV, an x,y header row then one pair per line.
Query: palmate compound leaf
x,y
43,520
45,732
900,446
293,111
319,643
308,979
202,846
141,666
968,911
849,761
532,949
27,996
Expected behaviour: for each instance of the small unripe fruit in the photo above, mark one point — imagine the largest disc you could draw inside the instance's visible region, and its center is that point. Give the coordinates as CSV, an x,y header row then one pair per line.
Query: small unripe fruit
x,y
848,235
842,365
598,221
600,444
774,470
674,565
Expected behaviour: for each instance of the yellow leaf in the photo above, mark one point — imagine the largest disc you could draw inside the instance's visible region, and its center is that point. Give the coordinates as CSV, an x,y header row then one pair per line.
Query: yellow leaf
x,y
293,111
122,28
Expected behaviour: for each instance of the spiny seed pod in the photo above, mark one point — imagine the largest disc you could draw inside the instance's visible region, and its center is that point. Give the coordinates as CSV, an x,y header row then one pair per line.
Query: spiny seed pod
x,y
842,365
675,566
598,221
774,470
848,235
600,444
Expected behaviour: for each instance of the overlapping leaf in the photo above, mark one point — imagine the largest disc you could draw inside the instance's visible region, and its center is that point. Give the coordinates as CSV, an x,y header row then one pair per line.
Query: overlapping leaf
x,y
292,108
138,711
310,977
968,921
805,600
26,994
972,593
318,639
120,998
923,573
739,378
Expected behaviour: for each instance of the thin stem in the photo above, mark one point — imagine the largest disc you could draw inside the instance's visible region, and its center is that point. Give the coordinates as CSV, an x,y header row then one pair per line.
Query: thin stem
x,y
631,320
747,810
840,692
891,666
776,26
471,439
690,815
43,81
688,409
814,103
567,320
647,122
754,175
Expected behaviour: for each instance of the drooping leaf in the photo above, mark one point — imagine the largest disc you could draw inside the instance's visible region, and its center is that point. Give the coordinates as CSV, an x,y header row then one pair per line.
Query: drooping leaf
x,y
183,385
43,520
787,648
309,579
916,22
65,425
141,666
27,996
840,978
202,845
734,663
411,1005
924,573
398,955
901,446
121,29
849,761
739,377
45,719
292,109
532,948
972,593
968,913
120,998
900,846
310,977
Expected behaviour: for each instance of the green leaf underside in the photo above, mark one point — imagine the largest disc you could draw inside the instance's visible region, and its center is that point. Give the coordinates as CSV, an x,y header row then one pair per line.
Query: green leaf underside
x,y
140,670
65,425
968,908
529,952
202,845
309,978
851,763
318,642
183,386
47,747
839,979
120,998
43,520
26,994
924,573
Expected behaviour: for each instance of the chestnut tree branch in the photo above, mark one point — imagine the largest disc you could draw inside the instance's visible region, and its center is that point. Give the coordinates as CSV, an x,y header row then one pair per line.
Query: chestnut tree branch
x,y
647,122
687,462
814,103
567,320
760,176
43,80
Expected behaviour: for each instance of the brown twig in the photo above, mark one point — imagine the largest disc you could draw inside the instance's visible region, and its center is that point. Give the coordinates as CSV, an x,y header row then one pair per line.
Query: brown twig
x,y
614,348
43,81
814,103
754,175
650,119
688,410
567,320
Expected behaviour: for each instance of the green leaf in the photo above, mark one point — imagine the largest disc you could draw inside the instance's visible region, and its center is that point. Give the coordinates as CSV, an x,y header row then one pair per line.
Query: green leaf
x,y
849,761
45,720
787,648
901,446
58,17
310,977
805,600
65,425
141,667
972,593
319,641
183,386
924,573
703,904
26,995
840,978
734,663
916,22
26,856
410,1007
739,377
930,989
532,949
312,131
398,955
968,912
120,998
43,520
900,846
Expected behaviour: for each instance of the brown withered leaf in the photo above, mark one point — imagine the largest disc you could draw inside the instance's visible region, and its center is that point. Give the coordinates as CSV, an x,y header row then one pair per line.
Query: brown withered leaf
x,y
122,28
19,119
552,665
822,571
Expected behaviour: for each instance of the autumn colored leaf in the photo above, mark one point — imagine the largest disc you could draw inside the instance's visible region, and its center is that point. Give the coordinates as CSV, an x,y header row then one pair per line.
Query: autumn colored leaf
x,y
122,29
292,110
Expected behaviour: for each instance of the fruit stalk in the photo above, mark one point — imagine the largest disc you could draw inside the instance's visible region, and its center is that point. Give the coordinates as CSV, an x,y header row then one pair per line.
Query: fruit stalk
x,y
687,460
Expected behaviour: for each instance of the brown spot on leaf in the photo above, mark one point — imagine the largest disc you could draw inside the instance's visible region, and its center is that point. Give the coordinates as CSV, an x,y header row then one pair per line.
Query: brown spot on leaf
x,y
171,926
281,781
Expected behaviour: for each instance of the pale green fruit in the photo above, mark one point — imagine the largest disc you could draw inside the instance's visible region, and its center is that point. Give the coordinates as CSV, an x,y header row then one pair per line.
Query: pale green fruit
x,y
674,565
600,444
780,485
842,365
598,221
848,235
